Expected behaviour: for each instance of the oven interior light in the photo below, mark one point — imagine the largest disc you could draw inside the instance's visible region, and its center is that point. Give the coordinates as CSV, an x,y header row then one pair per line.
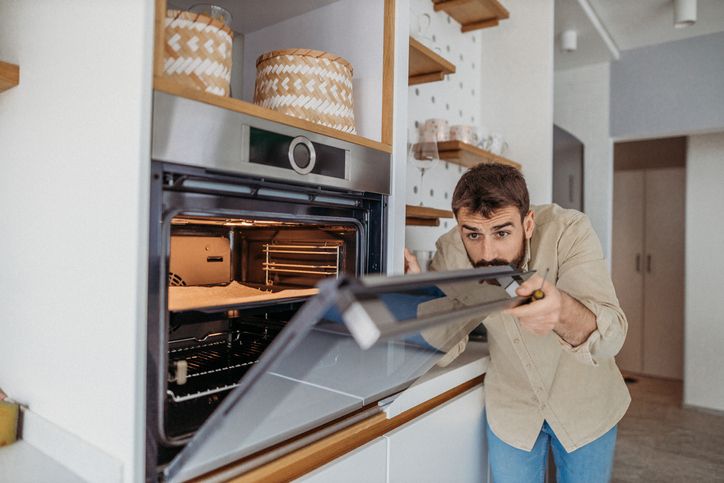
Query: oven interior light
x,y
337,201
207,185
283,194
191,220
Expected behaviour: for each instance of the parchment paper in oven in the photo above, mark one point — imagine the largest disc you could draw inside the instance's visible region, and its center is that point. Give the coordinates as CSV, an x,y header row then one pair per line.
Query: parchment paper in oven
x,y
185,298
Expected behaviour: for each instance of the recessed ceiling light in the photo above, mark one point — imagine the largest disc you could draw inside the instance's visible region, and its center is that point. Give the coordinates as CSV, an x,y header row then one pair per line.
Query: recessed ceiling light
x,y
684,13
569,41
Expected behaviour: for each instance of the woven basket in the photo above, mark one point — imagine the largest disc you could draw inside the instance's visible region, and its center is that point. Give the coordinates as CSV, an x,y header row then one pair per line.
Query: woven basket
x,y
307,84
198,51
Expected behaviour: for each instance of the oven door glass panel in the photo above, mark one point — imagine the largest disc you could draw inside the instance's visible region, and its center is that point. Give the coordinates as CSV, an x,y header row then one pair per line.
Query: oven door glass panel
x,y
317,371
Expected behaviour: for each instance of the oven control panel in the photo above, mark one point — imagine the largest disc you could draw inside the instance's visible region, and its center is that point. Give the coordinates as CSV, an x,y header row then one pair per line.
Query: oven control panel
x,y
295,153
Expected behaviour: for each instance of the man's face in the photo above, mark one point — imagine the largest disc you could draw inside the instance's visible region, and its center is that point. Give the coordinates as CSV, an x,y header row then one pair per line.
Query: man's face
x,y
495,241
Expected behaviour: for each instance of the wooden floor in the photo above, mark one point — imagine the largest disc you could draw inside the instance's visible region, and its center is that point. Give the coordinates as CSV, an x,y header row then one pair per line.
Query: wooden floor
x,y
658,441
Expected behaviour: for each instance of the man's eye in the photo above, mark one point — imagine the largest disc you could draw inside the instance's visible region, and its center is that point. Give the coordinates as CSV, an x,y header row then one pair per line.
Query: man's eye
x,y
503,234
473,236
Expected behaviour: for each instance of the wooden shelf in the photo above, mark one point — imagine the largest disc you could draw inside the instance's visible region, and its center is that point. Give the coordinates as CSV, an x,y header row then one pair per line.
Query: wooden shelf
x,y
422,216
468,155
473,14
9,76
425,65
177,89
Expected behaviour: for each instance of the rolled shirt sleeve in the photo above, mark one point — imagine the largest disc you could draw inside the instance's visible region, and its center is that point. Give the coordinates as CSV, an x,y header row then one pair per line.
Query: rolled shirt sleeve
x,y
583,274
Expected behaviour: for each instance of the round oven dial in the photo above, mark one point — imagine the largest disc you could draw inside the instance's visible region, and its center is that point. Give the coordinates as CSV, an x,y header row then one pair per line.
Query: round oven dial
x,y
302,155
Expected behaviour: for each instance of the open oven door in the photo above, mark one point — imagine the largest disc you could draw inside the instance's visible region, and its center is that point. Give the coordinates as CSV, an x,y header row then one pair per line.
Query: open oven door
x,y
355,343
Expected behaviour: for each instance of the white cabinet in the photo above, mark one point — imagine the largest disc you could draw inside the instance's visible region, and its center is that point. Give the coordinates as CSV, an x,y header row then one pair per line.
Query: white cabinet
x,y
367,464
446,444
648,268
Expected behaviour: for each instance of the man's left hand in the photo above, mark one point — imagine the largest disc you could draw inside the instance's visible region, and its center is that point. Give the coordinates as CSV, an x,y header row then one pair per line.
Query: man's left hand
x,y
556,311
540,316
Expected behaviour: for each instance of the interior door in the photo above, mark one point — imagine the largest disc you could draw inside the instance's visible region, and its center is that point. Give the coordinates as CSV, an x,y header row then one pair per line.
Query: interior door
x,y
648,268
664,278
567,169
627,262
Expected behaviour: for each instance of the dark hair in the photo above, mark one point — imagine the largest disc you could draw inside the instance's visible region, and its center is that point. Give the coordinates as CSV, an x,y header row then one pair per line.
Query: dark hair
x,y
487,188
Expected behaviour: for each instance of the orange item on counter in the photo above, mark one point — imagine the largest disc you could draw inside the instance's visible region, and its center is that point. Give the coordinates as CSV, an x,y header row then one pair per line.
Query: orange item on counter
x,y
8,423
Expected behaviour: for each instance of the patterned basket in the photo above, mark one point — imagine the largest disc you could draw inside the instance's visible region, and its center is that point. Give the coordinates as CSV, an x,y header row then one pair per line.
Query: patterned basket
x,y
307,84
198,51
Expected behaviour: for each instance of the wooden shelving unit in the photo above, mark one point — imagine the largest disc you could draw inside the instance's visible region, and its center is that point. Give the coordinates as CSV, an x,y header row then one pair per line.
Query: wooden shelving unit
x,y
425,65
160,83
9,76
422,216
468,155
473,14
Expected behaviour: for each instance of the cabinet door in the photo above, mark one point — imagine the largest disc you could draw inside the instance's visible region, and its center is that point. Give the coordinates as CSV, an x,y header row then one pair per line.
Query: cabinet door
x,y
446,444
367,464
664,293
627,262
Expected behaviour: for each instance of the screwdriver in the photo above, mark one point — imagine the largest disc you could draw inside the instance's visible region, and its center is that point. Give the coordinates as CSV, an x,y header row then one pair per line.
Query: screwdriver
x,y
538,294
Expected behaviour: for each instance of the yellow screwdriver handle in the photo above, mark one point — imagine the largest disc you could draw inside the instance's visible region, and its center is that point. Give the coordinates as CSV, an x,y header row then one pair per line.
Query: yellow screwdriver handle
x,y
538,294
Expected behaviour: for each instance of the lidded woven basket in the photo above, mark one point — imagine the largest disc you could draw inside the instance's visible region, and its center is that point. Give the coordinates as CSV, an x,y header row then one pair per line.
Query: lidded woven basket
x,y
197,51
307,84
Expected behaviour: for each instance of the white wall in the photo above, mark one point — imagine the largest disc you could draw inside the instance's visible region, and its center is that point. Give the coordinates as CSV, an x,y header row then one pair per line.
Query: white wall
x,y
330,29
396,201
457,99
517,87
73,191
704,328
503,83
581,107
669,88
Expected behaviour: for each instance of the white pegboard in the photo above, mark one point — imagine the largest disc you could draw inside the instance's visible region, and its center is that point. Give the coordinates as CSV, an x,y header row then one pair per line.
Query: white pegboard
x,y
457,99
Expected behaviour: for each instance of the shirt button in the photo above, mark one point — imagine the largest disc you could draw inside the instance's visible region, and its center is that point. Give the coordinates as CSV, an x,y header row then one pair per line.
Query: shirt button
x,y
543,406
527,366
540,389
516,341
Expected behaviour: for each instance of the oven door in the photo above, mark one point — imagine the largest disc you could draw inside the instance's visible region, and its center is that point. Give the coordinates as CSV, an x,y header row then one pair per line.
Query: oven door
x,y
355,343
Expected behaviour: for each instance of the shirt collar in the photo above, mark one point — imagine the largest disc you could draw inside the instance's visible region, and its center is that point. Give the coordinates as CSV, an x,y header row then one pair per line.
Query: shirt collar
x,y
526,258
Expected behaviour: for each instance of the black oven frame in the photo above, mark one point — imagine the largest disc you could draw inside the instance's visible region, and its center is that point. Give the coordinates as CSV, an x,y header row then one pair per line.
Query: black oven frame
x,y
221,196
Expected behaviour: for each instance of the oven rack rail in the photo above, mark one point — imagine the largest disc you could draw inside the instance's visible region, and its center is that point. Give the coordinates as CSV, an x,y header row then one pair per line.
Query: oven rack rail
x,y
278,259
214,367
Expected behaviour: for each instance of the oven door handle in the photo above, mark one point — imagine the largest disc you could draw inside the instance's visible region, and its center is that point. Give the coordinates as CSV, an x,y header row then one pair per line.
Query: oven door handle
x,y
370,320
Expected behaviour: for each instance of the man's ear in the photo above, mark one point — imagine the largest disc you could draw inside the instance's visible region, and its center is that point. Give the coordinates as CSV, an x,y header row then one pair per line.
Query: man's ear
x,y
529,224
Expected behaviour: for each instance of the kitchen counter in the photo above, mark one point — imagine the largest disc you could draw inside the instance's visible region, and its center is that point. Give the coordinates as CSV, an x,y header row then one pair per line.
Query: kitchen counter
x,y
21,461
36,456
472,363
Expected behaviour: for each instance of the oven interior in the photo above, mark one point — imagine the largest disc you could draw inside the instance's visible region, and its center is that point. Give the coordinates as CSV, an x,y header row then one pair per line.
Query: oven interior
x,y
233,283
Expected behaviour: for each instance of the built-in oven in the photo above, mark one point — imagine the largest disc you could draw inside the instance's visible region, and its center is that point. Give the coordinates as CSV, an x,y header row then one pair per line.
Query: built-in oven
x,y
265,320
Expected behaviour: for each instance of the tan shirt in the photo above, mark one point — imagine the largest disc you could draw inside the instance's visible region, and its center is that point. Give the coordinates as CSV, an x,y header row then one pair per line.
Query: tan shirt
x,y
532,378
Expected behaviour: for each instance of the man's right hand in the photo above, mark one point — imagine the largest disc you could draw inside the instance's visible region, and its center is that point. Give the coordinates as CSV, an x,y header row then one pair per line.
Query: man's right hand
x,y
411,264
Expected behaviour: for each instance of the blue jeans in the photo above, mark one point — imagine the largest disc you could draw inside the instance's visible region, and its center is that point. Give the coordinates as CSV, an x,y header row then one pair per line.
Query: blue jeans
x,y
591,463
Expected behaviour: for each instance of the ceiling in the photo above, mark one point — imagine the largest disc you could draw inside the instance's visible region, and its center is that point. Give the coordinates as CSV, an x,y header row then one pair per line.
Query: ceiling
x,y
608,27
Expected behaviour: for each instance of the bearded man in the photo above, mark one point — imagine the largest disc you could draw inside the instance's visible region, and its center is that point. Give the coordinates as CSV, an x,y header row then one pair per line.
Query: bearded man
x,y
552,380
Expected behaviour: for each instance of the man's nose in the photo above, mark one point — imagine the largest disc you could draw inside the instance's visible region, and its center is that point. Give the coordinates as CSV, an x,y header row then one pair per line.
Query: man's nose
x,y
489,252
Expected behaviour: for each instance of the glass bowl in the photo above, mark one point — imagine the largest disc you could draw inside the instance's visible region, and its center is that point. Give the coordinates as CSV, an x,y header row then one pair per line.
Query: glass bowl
x,y
212,11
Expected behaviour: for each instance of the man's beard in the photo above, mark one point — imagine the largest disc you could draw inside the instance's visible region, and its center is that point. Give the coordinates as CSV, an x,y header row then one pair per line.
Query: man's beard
x,y
499,262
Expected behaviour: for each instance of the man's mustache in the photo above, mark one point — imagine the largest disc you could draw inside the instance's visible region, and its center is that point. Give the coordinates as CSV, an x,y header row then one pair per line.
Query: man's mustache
x,y
496,262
